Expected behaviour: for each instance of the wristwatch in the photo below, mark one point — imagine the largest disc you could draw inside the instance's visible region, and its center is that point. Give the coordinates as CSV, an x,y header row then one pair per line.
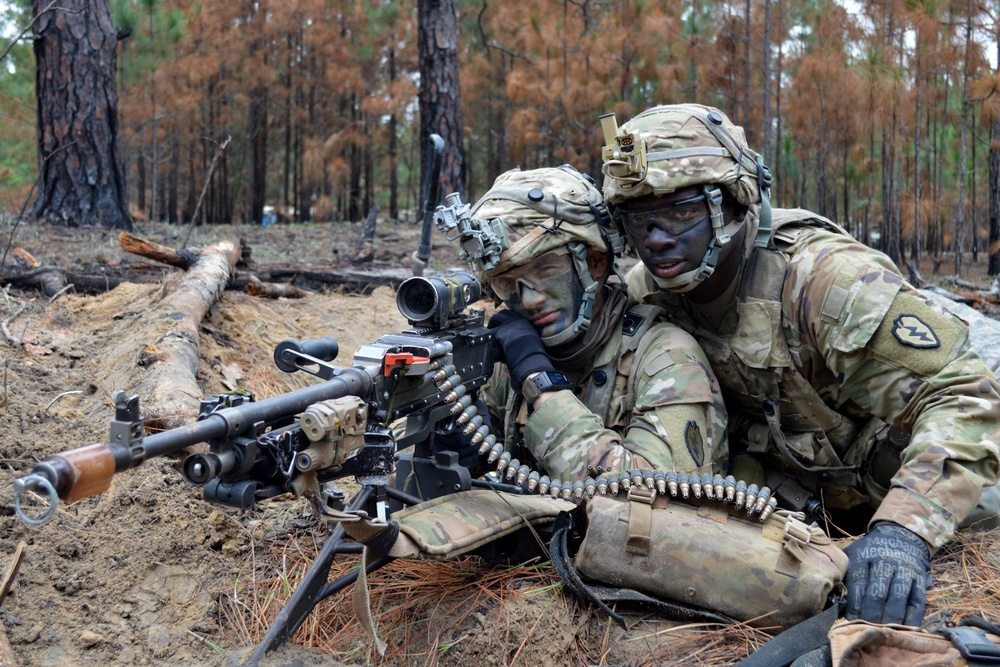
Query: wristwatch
x,y
543,382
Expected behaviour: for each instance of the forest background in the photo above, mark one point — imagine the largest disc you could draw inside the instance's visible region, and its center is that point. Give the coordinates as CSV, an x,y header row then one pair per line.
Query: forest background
x,y
884,116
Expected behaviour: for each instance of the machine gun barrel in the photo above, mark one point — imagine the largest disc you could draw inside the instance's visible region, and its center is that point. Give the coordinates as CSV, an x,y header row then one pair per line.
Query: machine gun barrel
x,y
87,471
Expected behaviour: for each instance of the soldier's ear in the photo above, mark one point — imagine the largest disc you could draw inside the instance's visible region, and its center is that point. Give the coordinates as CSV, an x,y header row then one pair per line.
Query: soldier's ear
x,y
732,208
598,263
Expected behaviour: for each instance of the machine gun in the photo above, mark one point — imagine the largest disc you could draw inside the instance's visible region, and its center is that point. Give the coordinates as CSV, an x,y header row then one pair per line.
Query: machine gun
x,y
304,440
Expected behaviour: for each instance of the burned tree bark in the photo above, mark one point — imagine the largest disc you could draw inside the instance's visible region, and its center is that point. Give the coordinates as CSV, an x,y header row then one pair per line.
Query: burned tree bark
x,y
82,181
440,99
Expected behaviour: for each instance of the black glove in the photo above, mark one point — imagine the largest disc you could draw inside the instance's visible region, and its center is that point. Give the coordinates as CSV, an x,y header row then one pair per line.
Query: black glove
x,y
887,576
519,346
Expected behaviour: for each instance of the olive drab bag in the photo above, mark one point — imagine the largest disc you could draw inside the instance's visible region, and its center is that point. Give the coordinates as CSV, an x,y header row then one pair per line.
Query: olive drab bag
x,y
710,555
441,528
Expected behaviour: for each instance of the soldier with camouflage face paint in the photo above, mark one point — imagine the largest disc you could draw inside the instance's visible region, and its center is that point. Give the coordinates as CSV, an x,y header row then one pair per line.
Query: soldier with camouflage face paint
x,y
848,389
588,385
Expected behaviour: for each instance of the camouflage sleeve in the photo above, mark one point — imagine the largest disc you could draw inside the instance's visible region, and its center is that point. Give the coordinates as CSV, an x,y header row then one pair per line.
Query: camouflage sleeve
x,y
870,341
495,393
674,418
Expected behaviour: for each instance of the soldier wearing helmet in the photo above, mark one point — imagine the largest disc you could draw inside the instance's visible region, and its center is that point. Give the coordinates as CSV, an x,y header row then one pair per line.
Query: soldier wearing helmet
x,y
587,384
856,395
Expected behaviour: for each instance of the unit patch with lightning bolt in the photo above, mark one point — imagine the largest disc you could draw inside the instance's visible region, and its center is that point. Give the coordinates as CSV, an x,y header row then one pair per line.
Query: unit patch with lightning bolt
x,y
915,336
913,331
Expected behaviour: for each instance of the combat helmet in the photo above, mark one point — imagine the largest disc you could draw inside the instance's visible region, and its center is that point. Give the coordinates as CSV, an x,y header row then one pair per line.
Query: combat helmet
x,y
527,214
670,147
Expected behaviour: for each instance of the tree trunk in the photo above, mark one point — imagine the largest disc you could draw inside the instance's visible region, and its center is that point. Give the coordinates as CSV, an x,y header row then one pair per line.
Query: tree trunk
x,y
963,142
765,140
82,181
173,180
393,148
258,154
440,97
994,251
915,249
747,35
994,248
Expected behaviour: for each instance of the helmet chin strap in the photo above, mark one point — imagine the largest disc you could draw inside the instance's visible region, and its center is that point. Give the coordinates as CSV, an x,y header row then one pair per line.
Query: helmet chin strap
x,y
591,287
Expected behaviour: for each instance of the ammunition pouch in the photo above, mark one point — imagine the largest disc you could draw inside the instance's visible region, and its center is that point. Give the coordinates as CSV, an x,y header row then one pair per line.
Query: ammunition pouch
x,y
709,555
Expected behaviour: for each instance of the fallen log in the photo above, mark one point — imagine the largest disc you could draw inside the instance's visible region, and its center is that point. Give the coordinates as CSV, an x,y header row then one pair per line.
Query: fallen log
x,y
256,287
170,388
182,259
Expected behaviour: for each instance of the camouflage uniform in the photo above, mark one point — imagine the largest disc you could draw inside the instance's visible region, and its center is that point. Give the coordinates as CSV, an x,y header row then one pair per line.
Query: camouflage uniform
x,y
850,335
824,335
663,410
647,398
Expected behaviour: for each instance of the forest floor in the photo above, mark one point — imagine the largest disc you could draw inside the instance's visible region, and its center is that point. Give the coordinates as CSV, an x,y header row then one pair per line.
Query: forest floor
x,y
148,573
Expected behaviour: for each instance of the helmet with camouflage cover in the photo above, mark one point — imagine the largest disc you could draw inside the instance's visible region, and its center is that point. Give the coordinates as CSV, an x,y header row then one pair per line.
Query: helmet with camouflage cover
x,y
670,147
547,210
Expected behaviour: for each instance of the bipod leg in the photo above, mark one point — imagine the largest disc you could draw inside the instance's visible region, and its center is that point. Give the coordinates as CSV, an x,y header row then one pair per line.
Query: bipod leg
x,y
310,590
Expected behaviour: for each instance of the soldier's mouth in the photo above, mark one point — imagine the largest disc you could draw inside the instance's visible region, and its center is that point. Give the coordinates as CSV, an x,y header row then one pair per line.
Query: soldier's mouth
x,y
545,318
668,268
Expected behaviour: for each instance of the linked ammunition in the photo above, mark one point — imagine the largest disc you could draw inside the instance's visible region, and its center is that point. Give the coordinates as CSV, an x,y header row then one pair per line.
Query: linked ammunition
x,y
613,484
660,480
719,486
461,404
751,498
602,485
543,485
474,425
522,474
741,493
672,483
762,499
772,504
533,481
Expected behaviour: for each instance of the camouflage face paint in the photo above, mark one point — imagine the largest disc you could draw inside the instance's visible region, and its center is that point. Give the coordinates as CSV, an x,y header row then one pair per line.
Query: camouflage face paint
x,y
546,291
667,254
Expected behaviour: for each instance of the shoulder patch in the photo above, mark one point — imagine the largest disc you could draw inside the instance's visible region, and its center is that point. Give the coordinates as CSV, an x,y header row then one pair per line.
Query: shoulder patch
x,y
913,331
631,323
694,442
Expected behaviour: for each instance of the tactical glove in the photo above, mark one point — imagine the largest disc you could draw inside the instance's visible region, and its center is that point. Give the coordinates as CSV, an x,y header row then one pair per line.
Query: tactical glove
x,y
887,576
519,346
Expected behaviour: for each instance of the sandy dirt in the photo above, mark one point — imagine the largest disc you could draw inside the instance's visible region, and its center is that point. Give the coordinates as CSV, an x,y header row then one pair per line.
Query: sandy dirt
x,y
148,573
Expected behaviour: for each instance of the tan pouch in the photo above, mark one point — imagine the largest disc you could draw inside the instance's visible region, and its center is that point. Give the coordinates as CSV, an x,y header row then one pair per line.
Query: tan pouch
x,y
859,643
707,555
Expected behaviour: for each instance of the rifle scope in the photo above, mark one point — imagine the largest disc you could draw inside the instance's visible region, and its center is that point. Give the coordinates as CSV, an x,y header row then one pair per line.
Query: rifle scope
x,y
431,302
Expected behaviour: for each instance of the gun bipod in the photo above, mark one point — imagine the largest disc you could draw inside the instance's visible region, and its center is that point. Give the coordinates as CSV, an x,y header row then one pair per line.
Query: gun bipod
x,y
314,587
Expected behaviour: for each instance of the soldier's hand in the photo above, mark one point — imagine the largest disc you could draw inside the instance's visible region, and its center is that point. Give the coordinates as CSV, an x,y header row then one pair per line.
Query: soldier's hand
x,y
519,346
887,576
